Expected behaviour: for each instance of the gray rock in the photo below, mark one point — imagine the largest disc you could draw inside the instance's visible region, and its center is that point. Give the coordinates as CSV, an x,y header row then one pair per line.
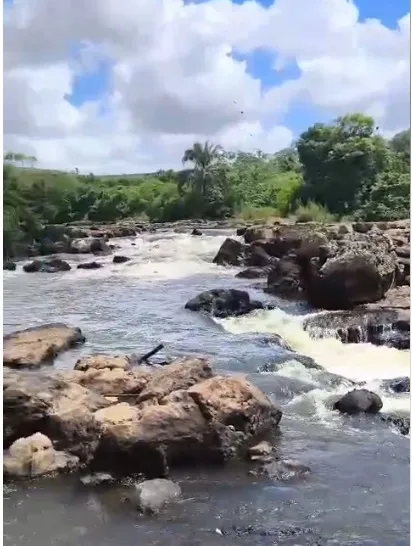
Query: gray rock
x,y
152,495
359,401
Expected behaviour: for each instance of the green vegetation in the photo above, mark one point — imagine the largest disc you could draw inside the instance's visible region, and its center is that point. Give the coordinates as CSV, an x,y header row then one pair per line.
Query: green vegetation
x,y
345,169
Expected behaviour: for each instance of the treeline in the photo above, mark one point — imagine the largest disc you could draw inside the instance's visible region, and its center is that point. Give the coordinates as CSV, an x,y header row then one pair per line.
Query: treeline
x,y
345,169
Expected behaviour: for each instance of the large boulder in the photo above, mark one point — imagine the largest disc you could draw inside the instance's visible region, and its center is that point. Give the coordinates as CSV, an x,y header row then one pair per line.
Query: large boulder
x,y
54,406
33,347
352,279
223,303
52,265
232,252
36,456
359,401
210,422
236,402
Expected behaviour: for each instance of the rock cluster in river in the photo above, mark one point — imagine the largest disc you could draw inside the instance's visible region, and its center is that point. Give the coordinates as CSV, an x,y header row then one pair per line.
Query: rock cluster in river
x,y
362,266
126,420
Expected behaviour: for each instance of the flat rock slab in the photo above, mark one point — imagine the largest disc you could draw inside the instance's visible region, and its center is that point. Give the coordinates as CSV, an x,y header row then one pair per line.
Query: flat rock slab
x,y
33,347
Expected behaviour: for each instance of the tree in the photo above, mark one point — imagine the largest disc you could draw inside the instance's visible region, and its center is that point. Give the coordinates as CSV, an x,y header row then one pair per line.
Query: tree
x,y
204,157
341,162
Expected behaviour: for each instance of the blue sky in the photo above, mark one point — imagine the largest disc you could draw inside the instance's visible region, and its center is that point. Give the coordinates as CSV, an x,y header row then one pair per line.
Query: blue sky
x,y
93,85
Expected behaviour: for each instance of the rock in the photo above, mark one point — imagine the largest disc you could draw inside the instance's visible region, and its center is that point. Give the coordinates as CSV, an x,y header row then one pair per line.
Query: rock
x,y
260,451
91,245
359,401
399,384
102,361
254,272
235,401
256,256
36,456
39,345
90,265
179,375
241,231
283,470
388,326
401,423
9,266
196,232
352,279
284,279
223,303
53,265
211,422
112,382
231,252
152,495
120,259
54,406
99,478
257,233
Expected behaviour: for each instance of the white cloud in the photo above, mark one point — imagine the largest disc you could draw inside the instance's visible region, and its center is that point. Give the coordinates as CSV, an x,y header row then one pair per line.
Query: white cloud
x,y
174,77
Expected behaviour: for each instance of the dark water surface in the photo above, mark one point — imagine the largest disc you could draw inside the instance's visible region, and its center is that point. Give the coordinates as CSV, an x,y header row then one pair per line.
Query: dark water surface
x,y
358,492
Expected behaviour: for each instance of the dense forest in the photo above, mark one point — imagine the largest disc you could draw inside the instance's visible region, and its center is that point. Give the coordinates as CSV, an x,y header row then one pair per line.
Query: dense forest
x,y
341,170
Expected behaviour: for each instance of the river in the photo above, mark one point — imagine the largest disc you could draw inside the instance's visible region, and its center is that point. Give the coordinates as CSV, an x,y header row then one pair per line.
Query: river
x,y
358,492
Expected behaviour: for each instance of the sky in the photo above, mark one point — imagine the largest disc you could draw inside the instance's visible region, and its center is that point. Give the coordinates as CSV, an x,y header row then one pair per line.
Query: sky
x,y
125,87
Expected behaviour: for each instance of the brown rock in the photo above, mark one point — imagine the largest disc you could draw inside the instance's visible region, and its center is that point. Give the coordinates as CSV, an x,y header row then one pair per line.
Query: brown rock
x,y
115,381
60,409
102,361
35,456
179,375
234,401
39,345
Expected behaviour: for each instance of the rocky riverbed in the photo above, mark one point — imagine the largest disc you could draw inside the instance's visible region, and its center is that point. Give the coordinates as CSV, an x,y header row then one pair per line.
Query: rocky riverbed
x,y
254,414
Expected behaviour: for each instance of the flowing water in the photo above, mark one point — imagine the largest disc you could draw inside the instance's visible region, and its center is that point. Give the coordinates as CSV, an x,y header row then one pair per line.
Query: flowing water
x,y
358,492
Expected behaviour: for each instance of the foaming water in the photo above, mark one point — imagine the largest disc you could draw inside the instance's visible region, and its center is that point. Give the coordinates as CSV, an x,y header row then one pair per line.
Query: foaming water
x,y
358,362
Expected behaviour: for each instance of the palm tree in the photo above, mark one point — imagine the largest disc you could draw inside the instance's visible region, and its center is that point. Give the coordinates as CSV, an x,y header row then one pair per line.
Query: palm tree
x,y
203,157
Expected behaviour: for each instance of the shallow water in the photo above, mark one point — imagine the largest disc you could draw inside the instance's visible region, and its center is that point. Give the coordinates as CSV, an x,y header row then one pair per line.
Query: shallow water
x,y
358,492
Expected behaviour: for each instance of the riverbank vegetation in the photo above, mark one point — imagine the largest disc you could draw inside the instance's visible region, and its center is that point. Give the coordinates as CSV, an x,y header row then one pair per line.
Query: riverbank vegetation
x,y
341,170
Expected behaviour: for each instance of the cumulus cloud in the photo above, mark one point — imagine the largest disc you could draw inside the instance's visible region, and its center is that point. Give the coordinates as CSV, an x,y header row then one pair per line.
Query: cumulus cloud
x,y
175,77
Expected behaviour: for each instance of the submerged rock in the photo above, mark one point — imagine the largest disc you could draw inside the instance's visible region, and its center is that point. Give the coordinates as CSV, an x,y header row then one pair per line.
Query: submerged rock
x,y
39,345
35,456
9,266
400,422
282,470
223,303
90,265
99,478
120,259
53,265
359,401
151,496
399,384
196,232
